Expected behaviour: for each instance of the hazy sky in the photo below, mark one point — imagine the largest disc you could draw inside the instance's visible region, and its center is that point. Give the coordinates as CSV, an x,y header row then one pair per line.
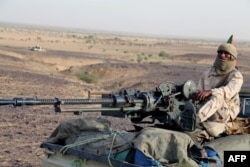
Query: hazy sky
x,y
184,18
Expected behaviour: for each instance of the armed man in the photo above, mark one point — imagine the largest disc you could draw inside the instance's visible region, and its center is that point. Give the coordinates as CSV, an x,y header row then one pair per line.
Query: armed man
x,y
218,92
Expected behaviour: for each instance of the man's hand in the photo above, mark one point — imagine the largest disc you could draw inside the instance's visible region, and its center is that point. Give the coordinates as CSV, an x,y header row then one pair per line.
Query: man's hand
x,y
202,95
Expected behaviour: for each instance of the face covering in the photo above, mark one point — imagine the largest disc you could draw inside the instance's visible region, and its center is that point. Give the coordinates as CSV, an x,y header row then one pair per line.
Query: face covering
x,y
223,67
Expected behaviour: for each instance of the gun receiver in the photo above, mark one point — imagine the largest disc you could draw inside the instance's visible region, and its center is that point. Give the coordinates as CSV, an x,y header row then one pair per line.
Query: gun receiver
x,y
132,103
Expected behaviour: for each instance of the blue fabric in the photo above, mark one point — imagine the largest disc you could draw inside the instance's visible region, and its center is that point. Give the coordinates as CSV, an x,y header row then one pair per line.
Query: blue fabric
x,y
211,154
142,160
206,164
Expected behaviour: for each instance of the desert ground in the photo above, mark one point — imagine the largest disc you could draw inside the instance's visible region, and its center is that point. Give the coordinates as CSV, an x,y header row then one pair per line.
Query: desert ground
x,y
76,62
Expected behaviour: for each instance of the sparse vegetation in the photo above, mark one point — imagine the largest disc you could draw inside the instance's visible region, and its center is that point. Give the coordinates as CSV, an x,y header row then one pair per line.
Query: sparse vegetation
x,y
150,55
89,37
88,77
39,38
139,58
90,47
65,58
164,54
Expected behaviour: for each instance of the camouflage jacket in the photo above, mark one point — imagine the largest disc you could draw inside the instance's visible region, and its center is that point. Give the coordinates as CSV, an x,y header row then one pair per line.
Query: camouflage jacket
x,y
225,94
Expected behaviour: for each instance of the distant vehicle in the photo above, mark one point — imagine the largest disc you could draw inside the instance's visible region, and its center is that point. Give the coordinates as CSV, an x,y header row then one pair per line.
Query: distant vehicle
x,y
37,48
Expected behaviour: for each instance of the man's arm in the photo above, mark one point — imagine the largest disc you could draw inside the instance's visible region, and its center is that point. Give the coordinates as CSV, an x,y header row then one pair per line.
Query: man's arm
x,y
202,95
231,88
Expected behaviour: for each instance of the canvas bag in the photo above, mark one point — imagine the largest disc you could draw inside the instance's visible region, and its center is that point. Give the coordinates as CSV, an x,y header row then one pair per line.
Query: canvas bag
x,y
69,130
168,147
229,143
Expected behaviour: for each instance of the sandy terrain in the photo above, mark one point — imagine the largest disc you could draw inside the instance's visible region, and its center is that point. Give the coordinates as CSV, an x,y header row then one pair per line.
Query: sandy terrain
x,y
116,62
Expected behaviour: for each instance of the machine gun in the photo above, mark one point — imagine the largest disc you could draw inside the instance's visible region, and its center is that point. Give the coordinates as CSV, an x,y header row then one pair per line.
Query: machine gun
x,y
135,104
164,104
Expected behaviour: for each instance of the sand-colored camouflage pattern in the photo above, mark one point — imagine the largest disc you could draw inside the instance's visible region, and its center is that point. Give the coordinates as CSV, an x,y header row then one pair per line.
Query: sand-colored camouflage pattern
x,y
224,104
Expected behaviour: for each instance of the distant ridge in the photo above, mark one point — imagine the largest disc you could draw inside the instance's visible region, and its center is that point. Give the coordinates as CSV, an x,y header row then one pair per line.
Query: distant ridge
x,y
106,32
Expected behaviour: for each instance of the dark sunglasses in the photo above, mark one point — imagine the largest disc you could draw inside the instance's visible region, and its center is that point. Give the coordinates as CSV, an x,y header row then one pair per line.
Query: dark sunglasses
x,y
225,53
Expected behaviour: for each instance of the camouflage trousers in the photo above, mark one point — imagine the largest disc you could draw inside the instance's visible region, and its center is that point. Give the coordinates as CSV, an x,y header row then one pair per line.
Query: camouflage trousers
x,y
214,115
215,109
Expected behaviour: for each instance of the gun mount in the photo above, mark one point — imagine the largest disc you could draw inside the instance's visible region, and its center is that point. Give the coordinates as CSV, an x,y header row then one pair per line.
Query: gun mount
x,y
131,103
167,98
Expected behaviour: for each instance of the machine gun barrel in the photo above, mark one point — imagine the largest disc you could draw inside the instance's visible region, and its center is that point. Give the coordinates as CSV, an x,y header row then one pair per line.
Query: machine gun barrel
x,y
135,104
55,101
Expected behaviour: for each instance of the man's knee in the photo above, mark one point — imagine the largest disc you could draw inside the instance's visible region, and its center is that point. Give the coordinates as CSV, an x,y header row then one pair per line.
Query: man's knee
x,y
214,129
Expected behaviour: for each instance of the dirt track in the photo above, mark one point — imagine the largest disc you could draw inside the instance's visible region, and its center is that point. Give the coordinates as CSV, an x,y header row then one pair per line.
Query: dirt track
x,y
50,74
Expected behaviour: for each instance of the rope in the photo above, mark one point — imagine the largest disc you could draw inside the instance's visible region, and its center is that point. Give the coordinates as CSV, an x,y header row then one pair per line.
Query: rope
x,y
65,148
110,149
78,162
125,139
112,144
